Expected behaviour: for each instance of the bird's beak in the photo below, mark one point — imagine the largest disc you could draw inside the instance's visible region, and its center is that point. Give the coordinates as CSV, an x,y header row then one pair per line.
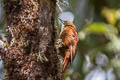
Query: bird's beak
x,y
61,21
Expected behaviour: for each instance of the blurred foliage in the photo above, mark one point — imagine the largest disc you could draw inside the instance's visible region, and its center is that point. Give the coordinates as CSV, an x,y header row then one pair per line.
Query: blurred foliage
x,y
2,19
98,55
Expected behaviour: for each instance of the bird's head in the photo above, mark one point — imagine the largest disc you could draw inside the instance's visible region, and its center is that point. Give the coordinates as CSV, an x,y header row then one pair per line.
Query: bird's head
x,y
67,23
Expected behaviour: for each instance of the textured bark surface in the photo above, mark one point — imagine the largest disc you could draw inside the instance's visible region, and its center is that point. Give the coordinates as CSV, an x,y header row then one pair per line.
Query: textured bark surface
x,y
30,25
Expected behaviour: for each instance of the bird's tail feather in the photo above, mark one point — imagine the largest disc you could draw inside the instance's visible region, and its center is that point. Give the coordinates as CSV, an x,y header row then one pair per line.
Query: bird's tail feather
x,y
66,59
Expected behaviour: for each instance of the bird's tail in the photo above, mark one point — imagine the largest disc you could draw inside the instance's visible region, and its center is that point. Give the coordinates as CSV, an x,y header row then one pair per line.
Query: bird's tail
x,y
66,59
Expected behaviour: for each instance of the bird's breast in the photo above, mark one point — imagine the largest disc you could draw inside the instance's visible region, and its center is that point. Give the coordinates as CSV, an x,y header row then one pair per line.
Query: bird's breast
x,y
67,36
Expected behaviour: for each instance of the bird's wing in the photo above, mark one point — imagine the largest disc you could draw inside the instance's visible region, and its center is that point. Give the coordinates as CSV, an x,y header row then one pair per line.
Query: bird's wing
x,y
66,36
75,40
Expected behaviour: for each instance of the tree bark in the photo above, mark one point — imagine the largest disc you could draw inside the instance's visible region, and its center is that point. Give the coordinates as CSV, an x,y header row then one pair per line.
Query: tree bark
x,y
31,53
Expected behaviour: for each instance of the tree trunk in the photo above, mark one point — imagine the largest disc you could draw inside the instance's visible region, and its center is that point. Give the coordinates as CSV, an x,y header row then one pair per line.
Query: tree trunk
x,y
31,53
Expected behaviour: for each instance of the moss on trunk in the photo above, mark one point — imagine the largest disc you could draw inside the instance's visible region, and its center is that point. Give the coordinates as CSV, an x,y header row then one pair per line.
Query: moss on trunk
x,y
31,54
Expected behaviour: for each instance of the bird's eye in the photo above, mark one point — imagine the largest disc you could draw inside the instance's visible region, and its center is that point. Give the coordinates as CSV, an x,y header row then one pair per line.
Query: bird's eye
x,y
65,21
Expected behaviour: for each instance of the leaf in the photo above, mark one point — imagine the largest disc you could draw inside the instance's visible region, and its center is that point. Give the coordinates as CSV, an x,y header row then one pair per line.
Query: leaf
x,y
115,42
110,15
97,27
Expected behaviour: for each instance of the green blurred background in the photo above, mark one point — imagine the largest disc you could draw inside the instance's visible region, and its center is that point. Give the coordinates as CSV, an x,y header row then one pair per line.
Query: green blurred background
x,y
98,27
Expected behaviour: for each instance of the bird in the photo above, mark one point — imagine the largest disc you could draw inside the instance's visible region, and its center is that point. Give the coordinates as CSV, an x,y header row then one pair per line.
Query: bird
x,y
70,40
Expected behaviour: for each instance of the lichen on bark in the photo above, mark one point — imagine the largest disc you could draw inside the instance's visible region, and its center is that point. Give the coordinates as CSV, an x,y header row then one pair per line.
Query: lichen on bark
x,y
31,54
